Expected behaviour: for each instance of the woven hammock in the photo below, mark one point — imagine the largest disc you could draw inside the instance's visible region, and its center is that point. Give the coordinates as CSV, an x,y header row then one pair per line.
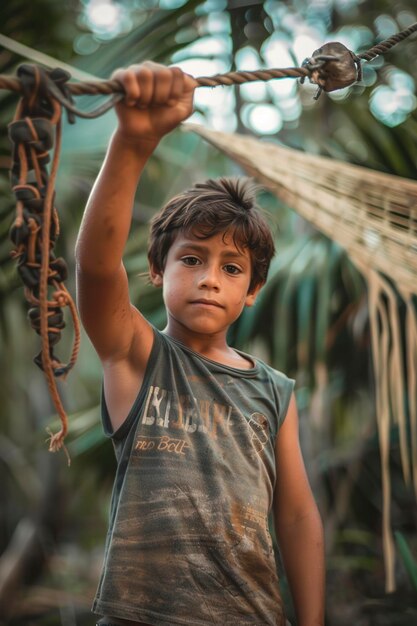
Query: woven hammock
x,y
373,216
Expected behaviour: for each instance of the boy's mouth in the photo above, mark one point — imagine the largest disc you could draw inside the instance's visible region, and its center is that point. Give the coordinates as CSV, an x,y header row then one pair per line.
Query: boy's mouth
x,y
207,302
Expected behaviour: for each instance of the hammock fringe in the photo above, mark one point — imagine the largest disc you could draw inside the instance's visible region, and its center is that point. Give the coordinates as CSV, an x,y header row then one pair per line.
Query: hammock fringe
x,y
372,216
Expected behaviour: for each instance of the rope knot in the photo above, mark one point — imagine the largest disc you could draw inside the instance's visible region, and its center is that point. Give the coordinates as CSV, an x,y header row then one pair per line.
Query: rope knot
x,y
43,89
61,297
333,66
30,196
36,132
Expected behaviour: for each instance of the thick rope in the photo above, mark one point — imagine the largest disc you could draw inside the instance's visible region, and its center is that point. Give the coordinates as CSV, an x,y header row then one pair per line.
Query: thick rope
x,y
386,45
329,71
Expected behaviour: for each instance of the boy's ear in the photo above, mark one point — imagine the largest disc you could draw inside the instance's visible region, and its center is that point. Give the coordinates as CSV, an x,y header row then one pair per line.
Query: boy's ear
x,y
253,294
156,277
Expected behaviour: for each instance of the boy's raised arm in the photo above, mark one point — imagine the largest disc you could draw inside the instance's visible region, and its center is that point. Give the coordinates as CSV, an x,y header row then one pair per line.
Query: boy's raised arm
x,y
157,99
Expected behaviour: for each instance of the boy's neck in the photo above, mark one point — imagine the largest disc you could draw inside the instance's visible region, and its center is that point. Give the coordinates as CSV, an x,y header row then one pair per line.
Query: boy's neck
x,y
213,347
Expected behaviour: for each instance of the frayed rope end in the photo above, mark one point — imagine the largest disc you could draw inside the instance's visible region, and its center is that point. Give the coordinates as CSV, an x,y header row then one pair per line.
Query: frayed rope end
x,y
56,443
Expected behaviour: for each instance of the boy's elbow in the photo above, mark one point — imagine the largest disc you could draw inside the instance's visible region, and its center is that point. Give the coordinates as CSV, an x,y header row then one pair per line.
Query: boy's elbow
x,y
308,526
297,513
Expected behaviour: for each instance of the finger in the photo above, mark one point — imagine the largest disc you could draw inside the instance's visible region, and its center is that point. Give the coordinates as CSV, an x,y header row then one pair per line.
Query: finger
x,y
163,79
145,79
190,83
177,85
129,83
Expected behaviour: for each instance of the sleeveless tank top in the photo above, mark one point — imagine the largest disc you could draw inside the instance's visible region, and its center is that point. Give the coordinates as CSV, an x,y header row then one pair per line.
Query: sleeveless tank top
x,y
188,539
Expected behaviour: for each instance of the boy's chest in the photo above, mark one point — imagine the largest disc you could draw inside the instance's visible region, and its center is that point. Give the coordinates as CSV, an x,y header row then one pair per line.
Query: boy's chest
x,y
225,418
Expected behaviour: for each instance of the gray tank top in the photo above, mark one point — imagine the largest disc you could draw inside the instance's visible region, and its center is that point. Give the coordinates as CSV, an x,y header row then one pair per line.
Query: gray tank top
x,y
188,539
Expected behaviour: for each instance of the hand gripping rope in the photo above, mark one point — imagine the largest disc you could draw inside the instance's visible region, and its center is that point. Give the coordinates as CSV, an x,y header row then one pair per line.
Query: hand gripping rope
x,y
36,226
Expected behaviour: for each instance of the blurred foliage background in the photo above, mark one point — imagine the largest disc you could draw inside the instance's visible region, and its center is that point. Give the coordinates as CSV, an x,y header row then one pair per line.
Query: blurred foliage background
x,y
311,321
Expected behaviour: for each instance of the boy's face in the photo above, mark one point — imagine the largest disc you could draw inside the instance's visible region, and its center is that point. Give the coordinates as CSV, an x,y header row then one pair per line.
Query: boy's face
x,y
205,284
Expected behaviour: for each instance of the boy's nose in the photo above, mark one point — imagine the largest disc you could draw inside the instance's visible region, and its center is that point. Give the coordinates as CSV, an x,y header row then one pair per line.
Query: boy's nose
x,y
209,279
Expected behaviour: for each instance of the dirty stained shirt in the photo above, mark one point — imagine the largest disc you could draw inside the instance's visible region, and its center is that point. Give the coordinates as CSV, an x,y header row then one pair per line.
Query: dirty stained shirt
x,y
188,539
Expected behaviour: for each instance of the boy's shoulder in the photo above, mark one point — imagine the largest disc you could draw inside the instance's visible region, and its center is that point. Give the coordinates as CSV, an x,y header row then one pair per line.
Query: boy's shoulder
x,y
276,382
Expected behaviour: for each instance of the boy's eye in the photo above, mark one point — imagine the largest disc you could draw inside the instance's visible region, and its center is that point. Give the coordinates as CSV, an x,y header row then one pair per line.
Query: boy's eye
x,y
232,269
190,260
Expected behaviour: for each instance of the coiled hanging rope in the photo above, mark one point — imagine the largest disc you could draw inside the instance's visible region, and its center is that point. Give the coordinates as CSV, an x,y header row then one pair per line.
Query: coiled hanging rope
x,y
36,225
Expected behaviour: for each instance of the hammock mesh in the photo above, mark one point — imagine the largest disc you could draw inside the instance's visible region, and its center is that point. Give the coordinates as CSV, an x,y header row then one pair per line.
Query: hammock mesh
x,y
373,216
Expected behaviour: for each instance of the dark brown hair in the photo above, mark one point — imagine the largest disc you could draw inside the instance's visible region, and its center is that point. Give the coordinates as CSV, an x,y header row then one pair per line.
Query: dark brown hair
x,y
220,205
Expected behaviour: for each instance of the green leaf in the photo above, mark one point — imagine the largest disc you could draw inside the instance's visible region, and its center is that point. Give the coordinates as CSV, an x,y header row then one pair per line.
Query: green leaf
x,y
408,560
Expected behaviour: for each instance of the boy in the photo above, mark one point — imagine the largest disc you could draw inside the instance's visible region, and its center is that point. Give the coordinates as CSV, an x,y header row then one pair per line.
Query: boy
x,y
206,438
